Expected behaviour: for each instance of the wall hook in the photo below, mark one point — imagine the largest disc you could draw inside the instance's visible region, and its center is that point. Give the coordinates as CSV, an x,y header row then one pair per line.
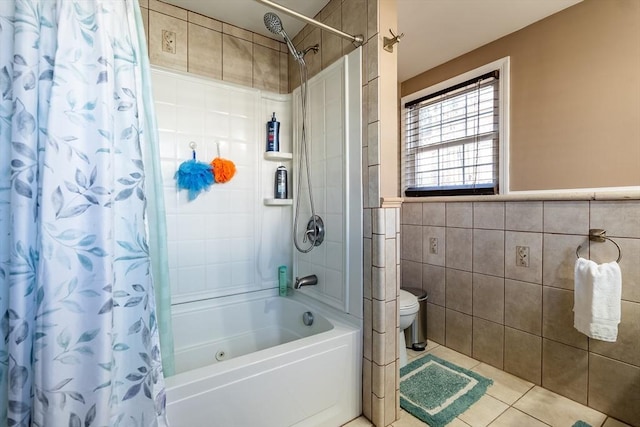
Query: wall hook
x,y
387,43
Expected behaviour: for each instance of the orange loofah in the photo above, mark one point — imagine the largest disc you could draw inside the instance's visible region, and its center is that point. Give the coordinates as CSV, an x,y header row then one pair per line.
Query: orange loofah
x,y
223,170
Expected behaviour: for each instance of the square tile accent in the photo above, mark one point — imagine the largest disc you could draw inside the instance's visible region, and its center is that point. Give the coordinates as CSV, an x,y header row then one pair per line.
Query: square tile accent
x,y
606,252
488,215
411,274
433,214
459,290
354,20
412,243
627,345
566,217
458,248
205,52
366,387
488,297
459,214
378,316
458,332
434,245
378,221
373,135
377,380
523,216
266,68
523,355
284,73
557,318
158,23
373,109
331,44
612,385
433,281
412,213
488,252
488,342
523,306
619,218
391,222
435,323
533,241
237,60
559,258
378,253
564,370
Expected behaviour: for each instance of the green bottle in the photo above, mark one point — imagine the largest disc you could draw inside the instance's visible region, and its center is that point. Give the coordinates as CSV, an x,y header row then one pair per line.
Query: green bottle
x,y
282,280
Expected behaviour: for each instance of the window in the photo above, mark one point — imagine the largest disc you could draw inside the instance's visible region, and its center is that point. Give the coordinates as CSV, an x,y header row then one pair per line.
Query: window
x,y
452,138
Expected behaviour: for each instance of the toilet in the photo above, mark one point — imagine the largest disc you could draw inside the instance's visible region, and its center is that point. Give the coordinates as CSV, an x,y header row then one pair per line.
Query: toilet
x,y
409,307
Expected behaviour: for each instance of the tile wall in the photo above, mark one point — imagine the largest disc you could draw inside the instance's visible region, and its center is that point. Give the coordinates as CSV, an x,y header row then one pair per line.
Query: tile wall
x,y
381,243
214,240
520,319
186,41
327,126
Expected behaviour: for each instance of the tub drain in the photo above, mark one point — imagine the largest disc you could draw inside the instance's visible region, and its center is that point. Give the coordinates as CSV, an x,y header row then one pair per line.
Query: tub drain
x,y
221,355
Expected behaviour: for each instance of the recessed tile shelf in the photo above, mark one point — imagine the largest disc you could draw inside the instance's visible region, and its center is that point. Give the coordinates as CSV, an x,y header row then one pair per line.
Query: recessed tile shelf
x,y
278,202
277,155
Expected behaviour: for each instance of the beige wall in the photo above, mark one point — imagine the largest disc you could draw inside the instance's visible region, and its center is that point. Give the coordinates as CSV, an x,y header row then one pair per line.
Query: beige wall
x,y
215,49
575,96
520,319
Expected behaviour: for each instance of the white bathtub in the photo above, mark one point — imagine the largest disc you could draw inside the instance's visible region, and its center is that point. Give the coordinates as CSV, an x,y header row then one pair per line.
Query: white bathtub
x,y
273,369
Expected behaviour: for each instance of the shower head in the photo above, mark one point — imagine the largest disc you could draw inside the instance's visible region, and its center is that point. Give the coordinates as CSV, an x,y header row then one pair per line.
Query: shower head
x,y
274,24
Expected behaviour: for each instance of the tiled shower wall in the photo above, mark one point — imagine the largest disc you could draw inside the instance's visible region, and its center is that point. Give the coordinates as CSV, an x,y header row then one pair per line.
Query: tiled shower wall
x,y
215,240
520,319
381,243
186,41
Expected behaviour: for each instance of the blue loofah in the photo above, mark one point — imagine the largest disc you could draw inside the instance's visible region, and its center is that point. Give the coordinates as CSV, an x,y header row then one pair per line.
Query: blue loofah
x,y
194,176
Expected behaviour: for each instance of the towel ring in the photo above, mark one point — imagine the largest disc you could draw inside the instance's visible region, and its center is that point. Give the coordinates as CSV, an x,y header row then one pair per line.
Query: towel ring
x,y
598,235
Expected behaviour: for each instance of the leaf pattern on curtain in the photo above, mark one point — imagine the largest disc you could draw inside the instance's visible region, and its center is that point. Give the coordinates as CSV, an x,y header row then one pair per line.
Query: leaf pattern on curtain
x,y
79,334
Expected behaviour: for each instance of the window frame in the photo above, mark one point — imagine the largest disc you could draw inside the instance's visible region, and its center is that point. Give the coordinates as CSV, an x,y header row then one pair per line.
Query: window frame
x,y
502,65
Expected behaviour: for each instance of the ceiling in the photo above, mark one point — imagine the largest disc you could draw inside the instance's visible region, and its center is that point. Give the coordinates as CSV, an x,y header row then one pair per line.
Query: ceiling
x,y
436,31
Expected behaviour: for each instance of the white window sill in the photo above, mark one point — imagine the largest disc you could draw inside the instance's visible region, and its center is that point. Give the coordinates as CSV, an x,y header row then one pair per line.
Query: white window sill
x,y
623,193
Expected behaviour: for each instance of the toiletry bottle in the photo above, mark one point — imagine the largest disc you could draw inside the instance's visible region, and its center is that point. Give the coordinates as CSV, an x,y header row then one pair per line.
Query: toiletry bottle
x,y
273,134
280,184
282,280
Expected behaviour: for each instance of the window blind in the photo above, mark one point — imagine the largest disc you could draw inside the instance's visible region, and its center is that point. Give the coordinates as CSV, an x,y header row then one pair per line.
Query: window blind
x,y
452,139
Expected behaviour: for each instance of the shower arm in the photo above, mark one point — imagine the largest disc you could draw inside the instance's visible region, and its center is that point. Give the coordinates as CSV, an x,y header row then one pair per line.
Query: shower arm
x,y
357,40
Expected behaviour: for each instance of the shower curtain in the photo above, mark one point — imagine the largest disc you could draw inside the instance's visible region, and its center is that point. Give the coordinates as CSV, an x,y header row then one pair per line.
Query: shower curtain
x,y
79,344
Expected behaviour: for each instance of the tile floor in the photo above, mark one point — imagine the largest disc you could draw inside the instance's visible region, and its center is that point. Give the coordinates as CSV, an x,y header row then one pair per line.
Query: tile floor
x,y
509,402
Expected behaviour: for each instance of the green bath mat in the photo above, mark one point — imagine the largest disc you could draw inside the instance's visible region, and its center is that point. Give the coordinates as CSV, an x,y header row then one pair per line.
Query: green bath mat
x,y
437,391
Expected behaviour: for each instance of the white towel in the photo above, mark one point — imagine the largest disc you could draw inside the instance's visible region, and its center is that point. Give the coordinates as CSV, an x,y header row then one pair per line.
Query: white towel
x,y
596,304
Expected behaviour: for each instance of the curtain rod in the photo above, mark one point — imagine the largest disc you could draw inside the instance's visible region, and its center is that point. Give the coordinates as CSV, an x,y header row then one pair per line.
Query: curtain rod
x,y
357,39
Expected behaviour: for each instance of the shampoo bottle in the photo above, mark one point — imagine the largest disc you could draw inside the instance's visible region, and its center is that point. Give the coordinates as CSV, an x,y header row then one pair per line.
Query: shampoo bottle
x,y
273,134
282,281
280,183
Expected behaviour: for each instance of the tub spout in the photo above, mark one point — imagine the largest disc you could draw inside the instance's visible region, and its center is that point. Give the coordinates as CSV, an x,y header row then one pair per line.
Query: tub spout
x,y
305,281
